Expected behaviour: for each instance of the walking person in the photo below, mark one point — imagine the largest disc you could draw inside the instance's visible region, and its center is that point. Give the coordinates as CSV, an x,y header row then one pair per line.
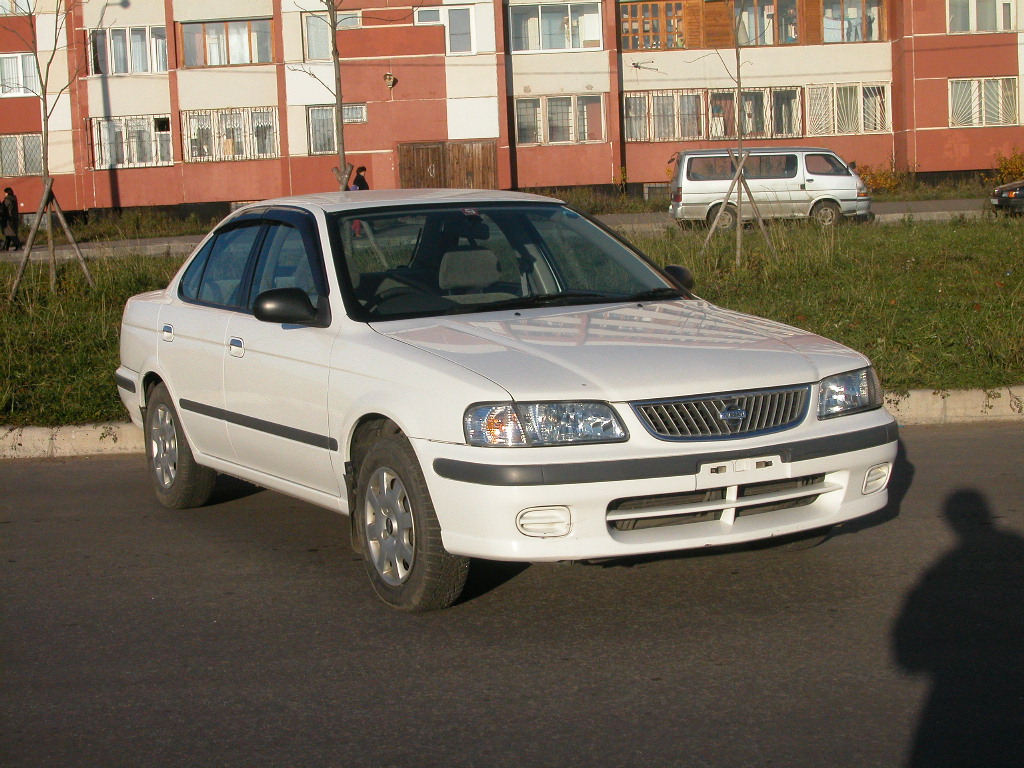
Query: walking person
x,y
10,226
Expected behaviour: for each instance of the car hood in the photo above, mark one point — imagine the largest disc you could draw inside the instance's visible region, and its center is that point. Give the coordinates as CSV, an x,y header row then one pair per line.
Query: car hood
x,y
633,352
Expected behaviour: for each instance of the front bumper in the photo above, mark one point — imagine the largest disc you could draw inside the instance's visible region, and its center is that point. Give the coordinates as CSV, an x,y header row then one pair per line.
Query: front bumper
x,y
522,505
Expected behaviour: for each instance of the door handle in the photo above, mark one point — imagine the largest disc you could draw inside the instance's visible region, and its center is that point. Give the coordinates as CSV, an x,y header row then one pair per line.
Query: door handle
x,y
167,332
236,347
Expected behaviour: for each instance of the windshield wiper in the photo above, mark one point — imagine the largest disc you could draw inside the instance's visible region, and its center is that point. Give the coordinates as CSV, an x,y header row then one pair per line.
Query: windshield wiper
x,y
656,294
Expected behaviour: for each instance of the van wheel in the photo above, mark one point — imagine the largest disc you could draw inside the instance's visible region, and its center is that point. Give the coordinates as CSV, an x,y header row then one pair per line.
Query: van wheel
x,y
399,534
726,221
826,213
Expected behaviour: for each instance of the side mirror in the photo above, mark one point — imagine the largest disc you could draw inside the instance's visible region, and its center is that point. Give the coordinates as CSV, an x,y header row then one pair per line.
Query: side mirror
x,y
852,166
681,276
288,306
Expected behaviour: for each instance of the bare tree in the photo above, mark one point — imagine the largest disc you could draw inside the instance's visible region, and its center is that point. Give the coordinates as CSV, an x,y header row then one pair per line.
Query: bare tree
x,y
51,82
332,9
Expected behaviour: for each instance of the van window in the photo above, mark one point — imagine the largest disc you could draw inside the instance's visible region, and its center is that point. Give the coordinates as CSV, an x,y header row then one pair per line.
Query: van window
x,y
770,167
826,165
710,168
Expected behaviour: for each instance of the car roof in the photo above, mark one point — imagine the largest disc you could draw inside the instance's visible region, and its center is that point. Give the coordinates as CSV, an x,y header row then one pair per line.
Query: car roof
x,y
754,150
331,202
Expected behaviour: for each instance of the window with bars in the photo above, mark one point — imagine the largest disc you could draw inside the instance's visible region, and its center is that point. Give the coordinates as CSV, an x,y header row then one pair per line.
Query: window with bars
x,y
18,75
316,29
230,134
766,22
132,142
853,21
15,7
847,108
21,154
709,114
555,26
320,121
559,119
983,101
651,26
981,15
226,43
118,51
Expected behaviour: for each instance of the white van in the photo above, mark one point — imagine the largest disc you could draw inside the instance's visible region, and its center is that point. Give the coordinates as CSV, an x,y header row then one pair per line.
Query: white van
x,y
786,183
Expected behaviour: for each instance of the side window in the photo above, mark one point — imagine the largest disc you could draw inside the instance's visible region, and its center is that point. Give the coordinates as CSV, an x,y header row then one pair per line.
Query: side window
x,y
710,168
826,165
771,167
225,266
193,277
285,262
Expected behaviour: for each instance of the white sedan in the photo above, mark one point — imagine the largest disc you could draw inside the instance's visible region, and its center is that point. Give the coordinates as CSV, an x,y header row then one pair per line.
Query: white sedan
x,y
492,375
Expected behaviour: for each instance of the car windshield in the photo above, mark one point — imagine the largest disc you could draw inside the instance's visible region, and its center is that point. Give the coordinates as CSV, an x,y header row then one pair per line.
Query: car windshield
x,y
416,261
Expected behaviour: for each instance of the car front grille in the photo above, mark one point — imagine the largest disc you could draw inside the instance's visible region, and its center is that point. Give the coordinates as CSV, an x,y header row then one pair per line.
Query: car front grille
x,y
726,415
715,504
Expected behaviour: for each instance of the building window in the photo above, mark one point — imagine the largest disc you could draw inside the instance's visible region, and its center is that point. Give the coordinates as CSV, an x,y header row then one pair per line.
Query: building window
x,y
18,75
559,120
132,49
680,115
458,24
15,7
766,22
651,26
21,154
981,16
230,134
853,21
983,101
225,43
847,108
317,30
321,125
555,27
132,142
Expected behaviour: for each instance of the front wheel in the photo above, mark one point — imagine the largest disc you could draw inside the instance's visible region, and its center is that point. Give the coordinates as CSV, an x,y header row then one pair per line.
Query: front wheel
x,y
405,559
179,482
827,213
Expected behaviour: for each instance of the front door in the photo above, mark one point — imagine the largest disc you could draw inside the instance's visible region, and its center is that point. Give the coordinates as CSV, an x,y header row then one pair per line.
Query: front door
x,y
453,164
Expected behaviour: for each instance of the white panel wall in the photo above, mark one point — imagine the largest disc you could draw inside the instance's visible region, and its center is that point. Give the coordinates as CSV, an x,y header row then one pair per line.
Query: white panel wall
x,y
553,73
473,118
762,67
223,87
200,10
139,13
306,89
134,95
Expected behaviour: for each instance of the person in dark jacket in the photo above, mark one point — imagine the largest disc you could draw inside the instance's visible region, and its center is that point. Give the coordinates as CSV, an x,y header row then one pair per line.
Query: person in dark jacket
x,y
10,205
359,180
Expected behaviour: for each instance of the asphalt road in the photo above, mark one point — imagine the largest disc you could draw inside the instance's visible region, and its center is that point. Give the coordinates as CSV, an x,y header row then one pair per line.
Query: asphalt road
x,y
245,634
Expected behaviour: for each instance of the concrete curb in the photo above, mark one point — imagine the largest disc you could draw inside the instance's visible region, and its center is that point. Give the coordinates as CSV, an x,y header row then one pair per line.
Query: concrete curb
x,y
917,407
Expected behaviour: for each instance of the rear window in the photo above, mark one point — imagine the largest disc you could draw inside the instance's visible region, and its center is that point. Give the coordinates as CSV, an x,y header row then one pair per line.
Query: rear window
x,y
709,168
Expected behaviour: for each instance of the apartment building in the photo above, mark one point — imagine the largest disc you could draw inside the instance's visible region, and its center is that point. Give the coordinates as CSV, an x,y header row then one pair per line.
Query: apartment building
x,y
166,102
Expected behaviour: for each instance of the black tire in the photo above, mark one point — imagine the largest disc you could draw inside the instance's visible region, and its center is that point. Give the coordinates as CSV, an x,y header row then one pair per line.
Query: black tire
x,y
179,482
827,213
398,531
726,221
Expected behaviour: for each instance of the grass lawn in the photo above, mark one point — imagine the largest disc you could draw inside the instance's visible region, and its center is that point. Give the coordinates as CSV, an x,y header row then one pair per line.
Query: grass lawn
x,y
934,305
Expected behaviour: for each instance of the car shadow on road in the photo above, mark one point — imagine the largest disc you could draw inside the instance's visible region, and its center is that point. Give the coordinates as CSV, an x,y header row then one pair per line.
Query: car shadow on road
x,y
228,489
962,627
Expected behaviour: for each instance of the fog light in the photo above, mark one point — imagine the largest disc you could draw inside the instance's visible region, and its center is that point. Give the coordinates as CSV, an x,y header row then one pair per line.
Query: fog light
x,y
544,521
876,478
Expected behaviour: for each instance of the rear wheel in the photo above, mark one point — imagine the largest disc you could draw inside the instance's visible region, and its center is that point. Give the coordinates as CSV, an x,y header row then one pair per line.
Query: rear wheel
x,y
726,221
179,482
827,213
405,559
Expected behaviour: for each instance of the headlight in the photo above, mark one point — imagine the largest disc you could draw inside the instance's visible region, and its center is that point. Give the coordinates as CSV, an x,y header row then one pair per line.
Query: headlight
x,y
849,393
515,425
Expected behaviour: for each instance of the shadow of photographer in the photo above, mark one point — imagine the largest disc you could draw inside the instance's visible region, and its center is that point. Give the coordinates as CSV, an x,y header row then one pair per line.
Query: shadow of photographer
x,y
963,626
